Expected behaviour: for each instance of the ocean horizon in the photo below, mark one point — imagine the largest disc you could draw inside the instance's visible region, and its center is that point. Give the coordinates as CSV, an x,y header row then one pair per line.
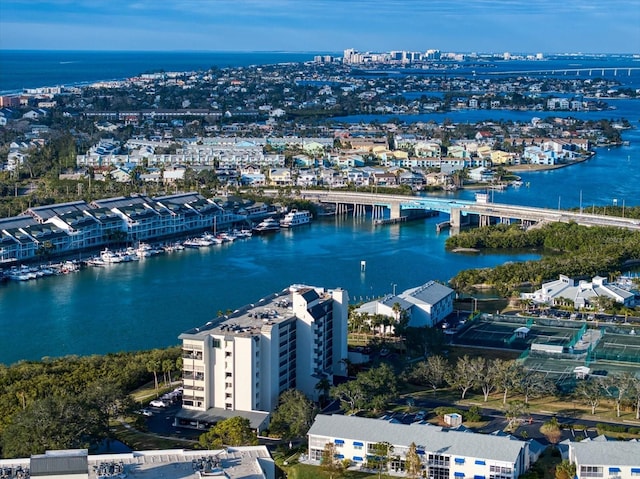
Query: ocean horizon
x,y
21,69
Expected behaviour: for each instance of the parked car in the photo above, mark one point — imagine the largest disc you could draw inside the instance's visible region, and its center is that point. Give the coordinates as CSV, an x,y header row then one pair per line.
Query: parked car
x,y
158,403
146,412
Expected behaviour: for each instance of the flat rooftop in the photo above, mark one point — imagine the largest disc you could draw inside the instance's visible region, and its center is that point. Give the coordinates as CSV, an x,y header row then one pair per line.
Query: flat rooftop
x,y
251,318
232,463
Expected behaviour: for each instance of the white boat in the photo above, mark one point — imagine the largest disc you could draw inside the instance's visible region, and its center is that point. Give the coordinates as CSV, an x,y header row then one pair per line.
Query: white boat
x,y
69,267
226,237
109,257
19,274
170,248
211,239
243,233
145,250
295,218
97,262
269,225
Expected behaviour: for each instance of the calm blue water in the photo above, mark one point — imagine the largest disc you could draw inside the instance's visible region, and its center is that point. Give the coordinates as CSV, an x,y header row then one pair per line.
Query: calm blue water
x,y
31,69
149,303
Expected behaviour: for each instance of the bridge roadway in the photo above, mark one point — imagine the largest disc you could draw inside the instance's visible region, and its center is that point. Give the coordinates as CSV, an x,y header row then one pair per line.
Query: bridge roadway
x,y
459,209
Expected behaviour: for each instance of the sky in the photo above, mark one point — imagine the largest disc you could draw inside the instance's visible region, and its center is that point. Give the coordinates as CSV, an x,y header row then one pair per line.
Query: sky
x,y
518,26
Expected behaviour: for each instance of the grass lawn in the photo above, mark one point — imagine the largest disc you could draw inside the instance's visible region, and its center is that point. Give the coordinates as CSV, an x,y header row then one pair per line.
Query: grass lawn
x,y
305,471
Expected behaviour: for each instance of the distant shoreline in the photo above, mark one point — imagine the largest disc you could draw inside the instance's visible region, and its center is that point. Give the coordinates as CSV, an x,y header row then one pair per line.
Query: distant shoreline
x,y
525,168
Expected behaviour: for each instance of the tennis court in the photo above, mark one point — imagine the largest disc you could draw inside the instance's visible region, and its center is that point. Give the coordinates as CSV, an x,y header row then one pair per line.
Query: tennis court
x,y
556,348
617,347
517,334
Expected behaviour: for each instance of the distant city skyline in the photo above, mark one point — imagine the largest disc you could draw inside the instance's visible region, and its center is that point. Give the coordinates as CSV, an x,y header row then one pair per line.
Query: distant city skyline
x,y
546,26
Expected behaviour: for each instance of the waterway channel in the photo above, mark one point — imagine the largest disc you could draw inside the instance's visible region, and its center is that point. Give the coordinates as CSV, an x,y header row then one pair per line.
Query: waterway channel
x,y
149,303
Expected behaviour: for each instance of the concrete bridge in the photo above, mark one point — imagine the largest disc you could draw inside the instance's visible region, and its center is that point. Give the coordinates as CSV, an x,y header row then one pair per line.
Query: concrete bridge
x,y
461,212
577,71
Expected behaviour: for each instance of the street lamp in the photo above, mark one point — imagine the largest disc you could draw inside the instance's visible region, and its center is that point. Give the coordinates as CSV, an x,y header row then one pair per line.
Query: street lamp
x,y
393,285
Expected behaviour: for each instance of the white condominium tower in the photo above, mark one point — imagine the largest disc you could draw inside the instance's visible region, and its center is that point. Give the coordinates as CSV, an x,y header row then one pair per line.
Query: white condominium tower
x,y
244,361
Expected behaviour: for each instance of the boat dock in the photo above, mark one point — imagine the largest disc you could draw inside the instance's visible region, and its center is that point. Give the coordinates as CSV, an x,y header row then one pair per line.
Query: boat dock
x,y
443,225
389,221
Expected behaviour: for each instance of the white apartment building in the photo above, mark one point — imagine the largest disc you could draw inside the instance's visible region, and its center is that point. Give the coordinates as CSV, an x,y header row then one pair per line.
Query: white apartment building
x,y
445,453
602,459
245,360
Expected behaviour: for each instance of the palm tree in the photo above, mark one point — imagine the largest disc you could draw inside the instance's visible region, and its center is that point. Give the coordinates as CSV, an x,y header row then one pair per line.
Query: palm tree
x,y
323,386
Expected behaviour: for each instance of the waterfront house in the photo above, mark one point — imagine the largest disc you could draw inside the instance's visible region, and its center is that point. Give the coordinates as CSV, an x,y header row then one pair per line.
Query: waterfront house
x,y
253,179
111,225
480,174
16,244
186,213
444,453
280,177
384,179
306,178
499,157
425,305
84,230
412,179
535,155
10,247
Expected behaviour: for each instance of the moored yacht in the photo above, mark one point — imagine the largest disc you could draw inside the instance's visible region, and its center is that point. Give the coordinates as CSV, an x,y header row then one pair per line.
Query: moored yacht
x,y
266,226
295,218
109,257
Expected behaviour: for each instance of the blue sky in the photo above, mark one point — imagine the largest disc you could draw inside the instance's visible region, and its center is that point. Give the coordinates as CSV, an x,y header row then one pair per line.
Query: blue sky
x,y
549,26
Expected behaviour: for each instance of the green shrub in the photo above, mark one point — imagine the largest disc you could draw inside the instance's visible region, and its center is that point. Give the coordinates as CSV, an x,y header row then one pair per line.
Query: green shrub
x,y
611,427
473,415
442,410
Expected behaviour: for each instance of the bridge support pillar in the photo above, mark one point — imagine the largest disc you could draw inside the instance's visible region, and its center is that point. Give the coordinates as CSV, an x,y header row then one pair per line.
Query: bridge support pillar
x,y
455,218
395,210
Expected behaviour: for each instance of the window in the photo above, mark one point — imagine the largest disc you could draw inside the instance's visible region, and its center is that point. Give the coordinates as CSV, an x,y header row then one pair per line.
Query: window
x,y
216,343
591,471
228,375
459,460
635,472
